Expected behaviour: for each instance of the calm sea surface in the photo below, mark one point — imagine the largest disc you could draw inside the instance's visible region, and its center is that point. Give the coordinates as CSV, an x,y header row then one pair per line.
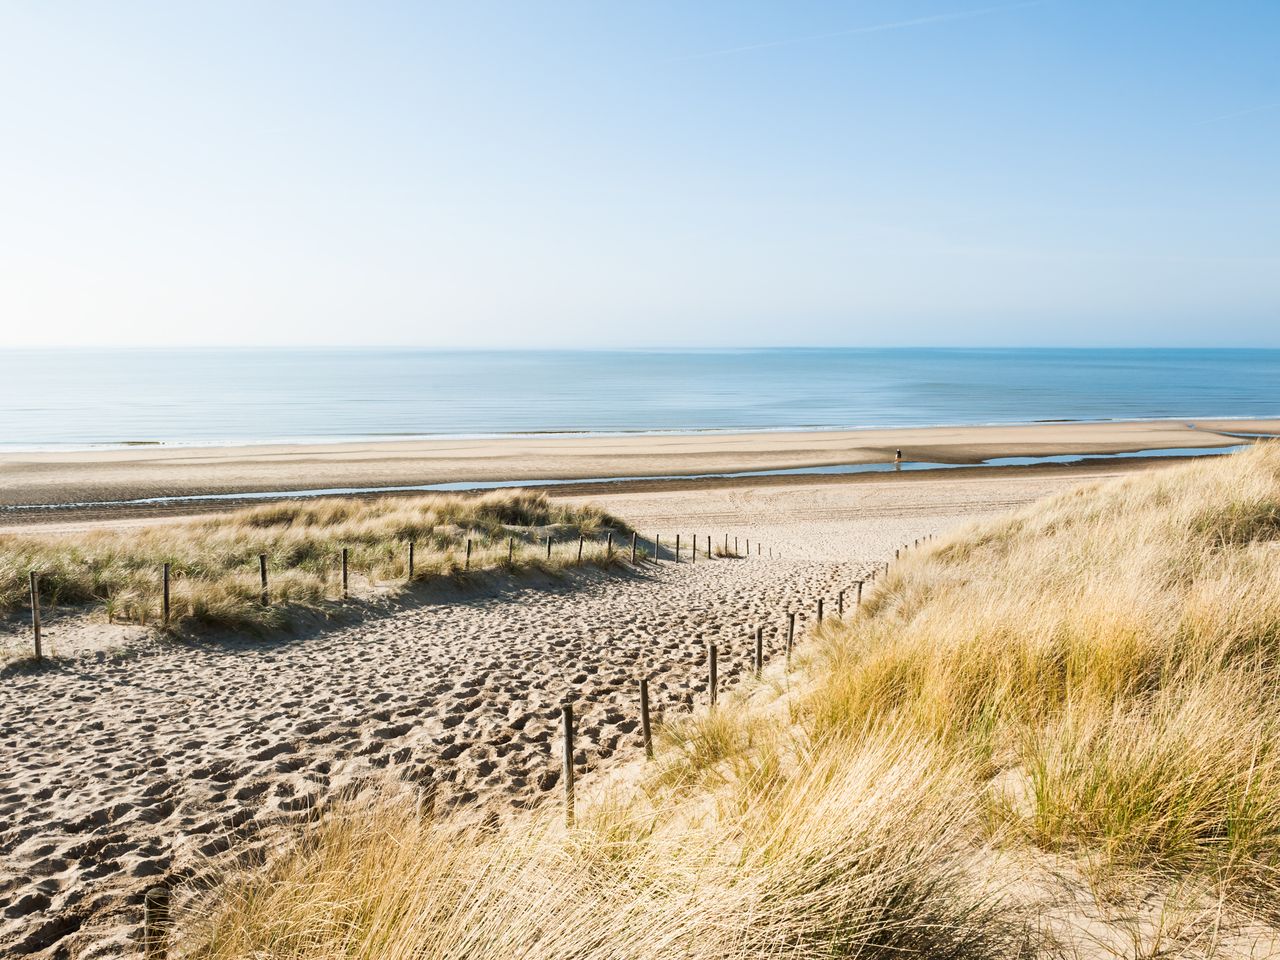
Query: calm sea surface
x,y
79,398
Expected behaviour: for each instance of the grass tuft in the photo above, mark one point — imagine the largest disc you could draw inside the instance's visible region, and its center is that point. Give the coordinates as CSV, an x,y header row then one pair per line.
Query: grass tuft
x,y
214,562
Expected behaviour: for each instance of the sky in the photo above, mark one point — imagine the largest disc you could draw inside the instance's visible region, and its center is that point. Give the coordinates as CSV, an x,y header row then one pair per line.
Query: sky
x,y
587,174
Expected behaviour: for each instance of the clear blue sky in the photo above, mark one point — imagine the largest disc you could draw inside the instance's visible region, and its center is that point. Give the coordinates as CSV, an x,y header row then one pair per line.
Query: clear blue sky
x,y
634,174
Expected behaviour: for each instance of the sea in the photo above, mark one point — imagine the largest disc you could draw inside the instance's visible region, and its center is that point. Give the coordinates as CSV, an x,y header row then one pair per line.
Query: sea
x,y
94,398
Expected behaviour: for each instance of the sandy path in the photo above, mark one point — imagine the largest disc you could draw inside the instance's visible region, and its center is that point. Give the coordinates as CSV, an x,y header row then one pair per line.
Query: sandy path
x,y
162,761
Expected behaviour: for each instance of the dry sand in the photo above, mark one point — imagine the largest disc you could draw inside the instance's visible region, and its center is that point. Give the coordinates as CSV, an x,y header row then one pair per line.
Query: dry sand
x,y
137,472
161,760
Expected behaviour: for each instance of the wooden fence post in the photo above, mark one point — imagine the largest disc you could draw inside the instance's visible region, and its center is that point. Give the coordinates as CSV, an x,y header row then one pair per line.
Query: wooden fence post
x,y
657,547
410,560
35,612
748,546
759,651
579,549
262,573
791,635
644,718
466,564
708,546
511,550
345,581
155,923
566,713
840,604
859,593
819,611
608,550
677,548
633,546
550,540
164,603
711,672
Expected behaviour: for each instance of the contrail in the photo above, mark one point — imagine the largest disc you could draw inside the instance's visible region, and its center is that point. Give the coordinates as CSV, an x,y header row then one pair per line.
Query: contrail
x,y
855,31
1240,113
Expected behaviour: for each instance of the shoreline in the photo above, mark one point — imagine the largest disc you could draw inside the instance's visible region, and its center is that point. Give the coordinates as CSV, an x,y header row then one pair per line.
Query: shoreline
x,y
92,479
73,447
86,487
321,442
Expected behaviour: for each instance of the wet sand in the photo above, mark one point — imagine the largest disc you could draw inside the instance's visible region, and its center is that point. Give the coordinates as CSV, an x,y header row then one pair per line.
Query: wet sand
x,y
141,760
67,477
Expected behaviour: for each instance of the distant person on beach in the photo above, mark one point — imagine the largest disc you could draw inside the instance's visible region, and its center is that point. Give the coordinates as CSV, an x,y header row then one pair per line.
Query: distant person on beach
x,y
897,457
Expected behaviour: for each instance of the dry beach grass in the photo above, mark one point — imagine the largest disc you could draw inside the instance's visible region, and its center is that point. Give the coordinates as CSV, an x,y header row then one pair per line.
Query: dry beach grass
x,y
1053,734
214,562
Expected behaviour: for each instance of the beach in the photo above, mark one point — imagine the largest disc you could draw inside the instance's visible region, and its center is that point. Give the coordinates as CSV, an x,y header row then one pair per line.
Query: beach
x,y
87,477
133,759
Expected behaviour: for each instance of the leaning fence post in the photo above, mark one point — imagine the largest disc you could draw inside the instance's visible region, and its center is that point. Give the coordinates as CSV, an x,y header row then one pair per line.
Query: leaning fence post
x,y
608,550
657,547
644,718
859,593
633,546
262,573
35,612
549,539
155,922
759,651
791,634
711,671
579,548
566,713
164,603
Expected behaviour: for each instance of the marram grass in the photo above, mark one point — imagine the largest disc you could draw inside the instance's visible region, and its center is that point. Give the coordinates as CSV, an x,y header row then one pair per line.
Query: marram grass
x,y
1082,697
214,562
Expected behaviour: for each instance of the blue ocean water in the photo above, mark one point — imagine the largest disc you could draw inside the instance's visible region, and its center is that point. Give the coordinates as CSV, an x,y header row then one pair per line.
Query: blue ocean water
x,y
80,398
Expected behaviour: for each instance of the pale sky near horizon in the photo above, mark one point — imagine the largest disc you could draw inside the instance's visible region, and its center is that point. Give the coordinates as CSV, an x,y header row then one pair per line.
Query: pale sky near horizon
x,y
886,172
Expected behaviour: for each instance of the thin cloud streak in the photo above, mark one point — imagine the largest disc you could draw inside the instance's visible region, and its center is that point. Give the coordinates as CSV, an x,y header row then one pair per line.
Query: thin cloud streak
x,y
1264,108
856,31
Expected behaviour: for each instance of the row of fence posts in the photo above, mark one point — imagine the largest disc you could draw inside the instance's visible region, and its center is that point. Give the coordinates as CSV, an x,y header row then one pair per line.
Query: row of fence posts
x,y
713,677
156,900
264,595
713,686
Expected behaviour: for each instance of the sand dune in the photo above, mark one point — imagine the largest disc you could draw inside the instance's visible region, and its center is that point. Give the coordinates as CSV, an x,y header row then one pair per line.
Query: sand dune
x,y
157,760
